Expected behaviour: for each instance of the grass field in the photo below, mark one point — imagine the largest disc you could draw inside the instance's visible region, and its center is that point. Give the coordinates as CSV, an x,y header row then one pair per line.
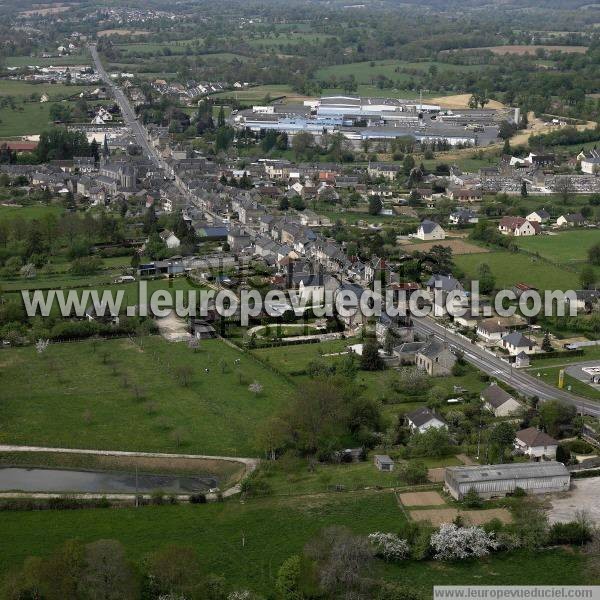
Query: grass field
x,y
28,118
24,89
246,543
257,93
569,247
37,211
510,268
55,61
119,396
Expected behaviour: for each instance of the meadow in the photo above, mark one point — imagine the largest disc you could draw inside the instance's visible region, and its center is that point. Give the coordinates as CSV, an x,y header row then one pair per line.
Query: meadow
x,y
247,542
131,396
24,89
569,247
511,268
28,118
55,61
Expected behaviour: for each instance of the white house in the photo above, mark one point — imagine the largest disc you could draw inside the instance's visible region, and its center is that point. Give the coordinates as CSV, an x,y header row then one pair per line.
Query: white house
x,y
170,239
590,162
516,343
518,226
499,402
422,419
570,220
491,330
538,216
428,230
535,443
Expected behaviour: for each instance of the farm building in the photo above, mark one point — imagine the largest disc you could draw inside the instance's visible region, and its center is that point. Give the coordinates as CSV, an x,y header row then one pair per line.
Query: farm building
x,y
496,481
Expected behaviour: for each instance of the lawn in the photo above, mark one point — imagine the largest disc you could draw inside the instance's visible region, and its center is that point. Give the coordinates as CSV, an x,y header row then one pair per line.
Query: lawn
x,y
569,247
28,213
246,543
550,375
27,119
24,89
55,61
116,395
511,268
257,93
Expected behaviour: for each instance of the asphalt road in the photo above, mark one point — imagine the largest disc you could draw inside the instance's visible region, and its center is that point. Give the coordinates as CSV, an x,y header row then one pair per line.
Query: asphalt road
x,y
497,368
127,111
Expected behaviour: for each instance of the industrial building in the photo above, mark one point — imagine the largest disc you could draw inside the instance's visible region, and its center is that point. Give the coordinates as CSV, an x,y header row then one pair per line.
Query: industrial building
x,y
497,481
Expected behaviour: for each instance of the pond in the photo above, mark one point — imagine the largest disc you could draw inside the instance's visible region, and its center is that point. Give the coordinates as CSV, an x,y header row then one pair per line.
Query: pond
x,y
99,482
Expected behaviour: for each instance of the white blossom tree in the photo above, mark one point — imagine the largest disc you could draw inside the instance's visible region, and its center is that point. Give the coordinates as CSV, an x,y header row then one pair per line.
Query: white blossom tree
x,y
389,546
42,345
457,543
256,388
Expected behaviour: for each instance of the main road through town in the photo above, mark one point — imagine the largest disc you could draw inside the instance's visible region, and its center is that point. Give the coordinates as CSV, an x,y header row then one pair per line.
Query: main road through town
x,y
522,381
127,111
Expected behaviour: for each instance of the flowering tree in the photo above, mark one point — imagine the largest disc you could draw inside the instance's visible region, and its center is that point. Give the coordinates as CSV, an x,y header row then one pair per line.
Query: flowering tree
x,y
456,543
389,546
41,346
256,388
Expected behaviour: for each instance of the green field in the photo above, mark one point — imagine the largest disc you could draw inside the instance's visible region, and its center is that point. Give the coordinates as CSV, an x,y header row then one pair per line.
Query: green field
x,y
55,61
28,118
287,39
569,247
257,93
37,211
246,543
120,396
510,268
24,89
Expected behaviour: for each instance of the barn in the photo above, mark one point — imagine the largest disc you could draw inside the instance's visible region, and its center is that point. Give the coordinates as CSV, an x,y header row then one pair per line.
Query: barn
x,y
495,481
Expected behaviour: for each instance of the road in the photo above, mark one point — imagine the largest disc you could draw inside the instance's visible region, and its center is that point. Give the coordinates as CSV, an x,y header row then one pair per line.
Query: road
x,y
127,111
499,369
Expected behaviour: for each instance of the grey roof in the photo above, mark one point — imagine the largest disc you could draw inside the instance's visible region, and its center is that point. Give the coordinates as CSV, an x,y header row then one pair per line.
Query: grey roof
x,y
409,347
422,415
446,283
516,471
384,459
433,349
495,395
518,340
428,226
534,437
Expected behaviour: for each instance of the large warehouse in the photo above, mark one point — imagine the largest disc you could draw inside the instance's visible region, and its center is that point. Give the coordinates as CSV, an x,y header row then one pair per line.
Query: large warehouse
x,y
495,481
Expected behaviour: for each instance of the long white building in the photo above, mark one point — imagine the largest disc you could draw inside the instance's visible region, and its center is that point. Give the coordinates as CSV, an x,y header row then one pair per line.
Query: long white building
x,y
496,481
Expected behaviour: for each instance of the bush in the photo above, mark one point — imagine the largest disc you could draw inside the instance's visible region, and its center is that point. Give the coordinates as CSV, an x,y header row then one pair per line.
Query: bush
x,y
574,532
459,543
472,499
413,473
389,546
519,492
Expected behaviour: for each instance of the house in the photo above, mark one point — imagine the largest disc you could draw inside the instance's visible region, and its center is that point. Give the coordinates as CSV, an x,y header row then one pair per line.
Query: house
x,y
491,330
401,328
385,170
516,343
590,162
463,216
535,443
570,220
435,358
170,239
538,216
407,352
518,226
522,360
384,463
465,195
499,402
445,283
429,230
423,419
497,481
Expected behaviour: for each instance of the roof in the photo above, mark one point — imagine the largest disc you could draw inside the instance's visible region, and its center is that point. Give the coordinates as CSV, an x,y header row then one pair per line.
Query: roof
x,y
574,218
433,349
495,396
446,283
384,459
517,471
422,415
533,437
491,326
428,226
518,340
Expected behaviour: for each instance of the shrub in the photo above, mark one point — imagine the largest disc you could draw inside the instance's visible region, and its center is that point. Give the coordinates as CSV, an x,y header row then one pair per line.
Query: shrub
x,y
197,499
457,543
574,532
389,546
413,472
472,499
519,492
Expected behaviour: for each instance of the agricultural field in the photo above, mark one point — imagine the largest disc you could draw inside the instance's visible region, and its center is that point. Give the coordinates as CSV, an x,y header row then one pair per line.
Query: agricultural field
x,y
24,89
258,93
55,61
131,395
511,268
239,542
287,39
458,246
26,119
37,211
524,49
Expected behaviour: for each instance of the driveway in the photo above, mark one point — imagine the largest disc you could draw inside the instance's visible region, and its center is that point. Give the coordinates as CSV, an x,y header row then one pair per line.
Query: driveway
x,y
583,496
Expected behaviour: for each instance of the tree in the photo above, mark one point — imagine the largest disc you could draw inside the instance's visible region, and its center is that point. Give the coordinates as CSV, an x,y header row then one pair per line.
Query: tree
x,y
413,472
107,574
370,359
432,442
557,416
174,571
594,254
287,584
389,546
256,388
472,499
221,117
184,375
546,344
150,221
587,277
502,437
487,281
524,192
284,203
458,543
375,204
303,144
